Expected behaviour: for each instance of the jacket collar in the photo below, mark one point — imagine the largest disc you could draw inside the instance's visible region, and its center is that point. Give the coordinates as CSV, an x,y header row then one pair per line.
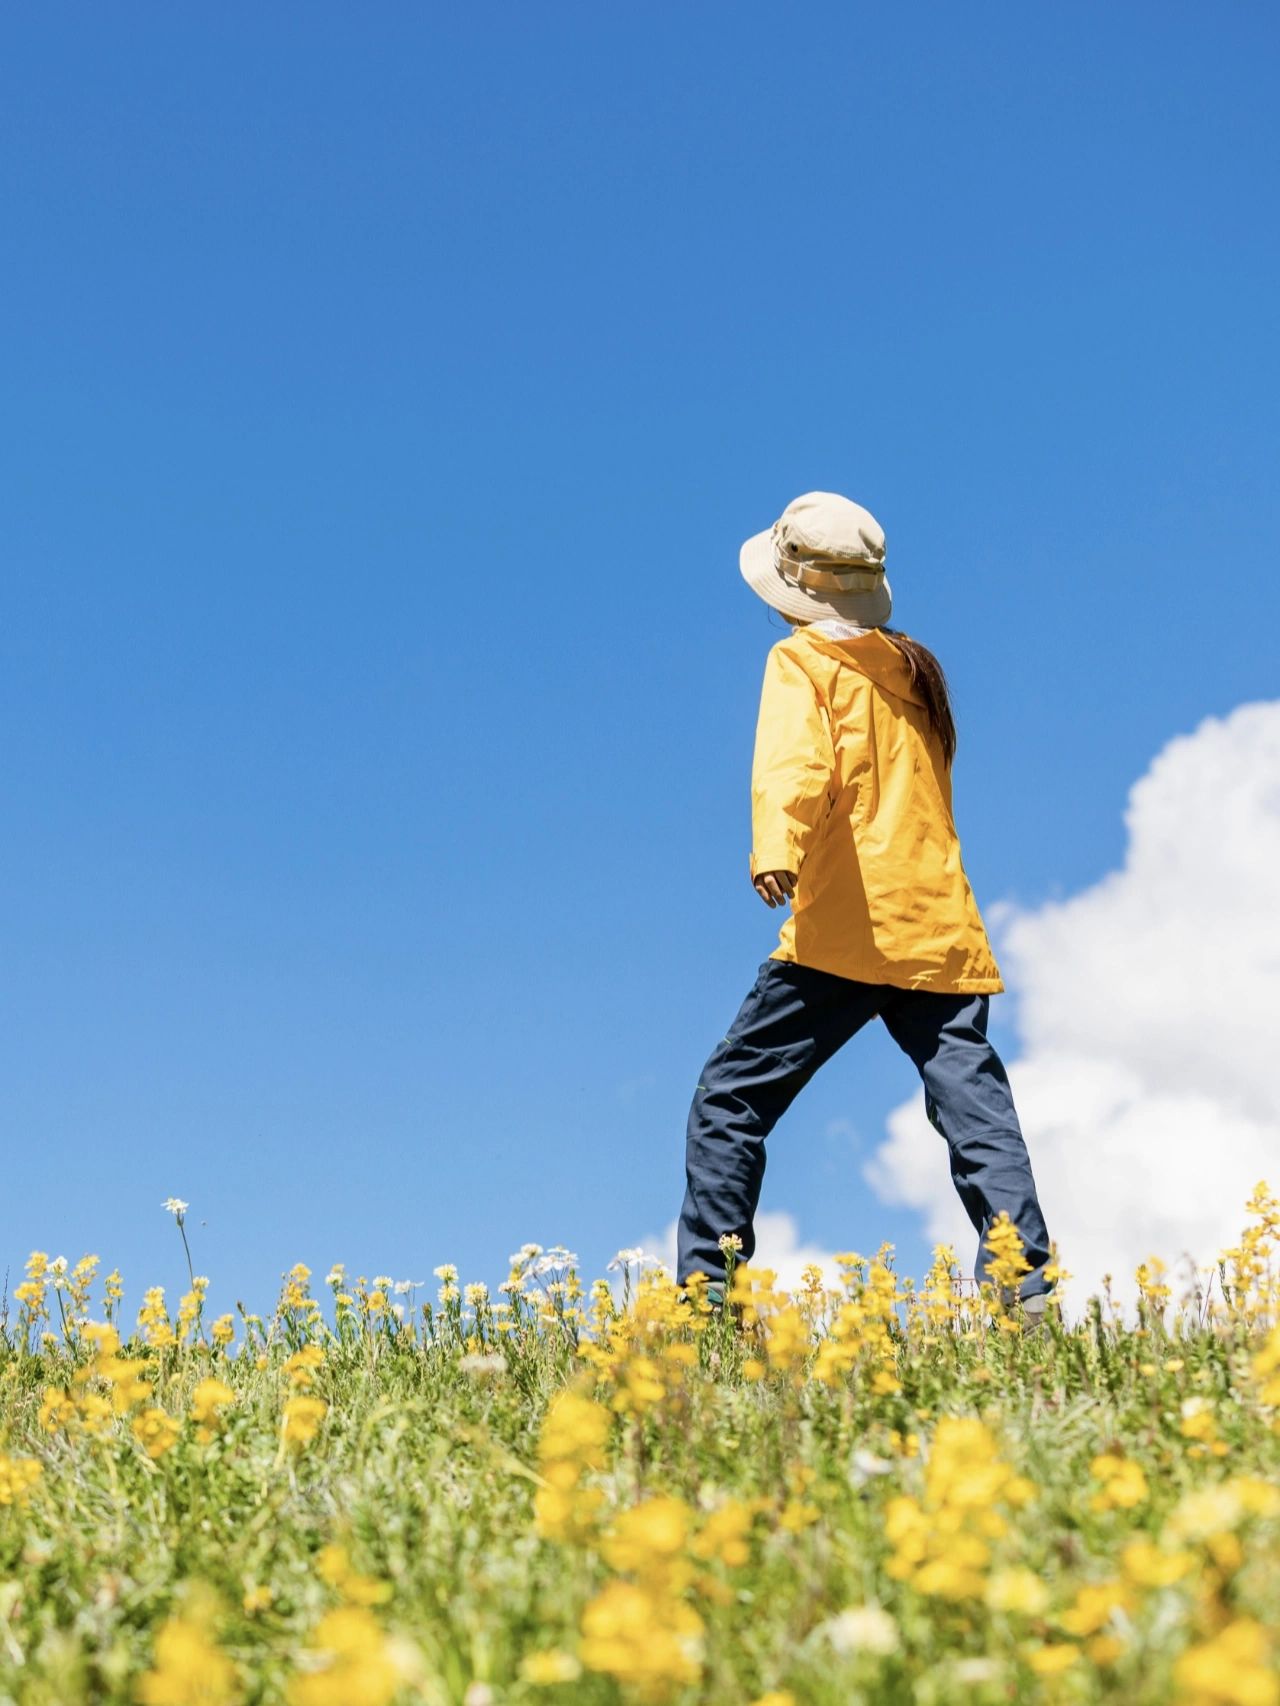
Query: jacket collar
x,y
872,654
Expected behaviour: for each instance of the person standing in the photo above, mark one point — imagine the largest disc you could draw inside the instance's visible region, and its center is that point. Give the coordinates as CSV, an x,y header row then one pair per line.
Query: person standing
x,y
852,827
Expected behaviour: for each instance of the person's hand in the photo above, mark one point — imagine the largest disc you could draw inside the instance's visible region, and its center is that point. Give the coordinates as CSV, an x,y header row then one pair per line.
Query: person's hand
x,y
775,888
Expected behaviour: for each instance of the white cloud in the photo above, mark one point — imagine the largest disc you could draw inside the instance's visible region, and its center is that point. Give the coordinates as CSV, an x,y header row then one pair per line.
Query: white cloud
x,y
778,1247
1147,1010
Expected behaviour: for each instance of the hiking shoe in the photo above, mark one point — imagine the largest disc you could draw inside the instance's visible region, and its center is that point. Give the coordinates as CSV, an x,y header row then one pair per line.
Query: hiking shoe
x,y
1036,1310
717,1303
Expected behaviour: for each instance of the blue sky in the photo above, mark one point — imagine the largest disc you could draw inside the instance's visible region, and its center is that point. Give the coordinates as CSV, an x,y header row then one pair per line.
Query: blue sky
x,y
387,395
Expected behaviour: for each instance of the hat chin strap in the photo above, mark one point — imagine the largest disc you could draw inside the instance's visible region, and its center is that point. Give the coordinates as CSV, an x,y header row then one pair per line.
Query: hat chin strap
x,y
806,574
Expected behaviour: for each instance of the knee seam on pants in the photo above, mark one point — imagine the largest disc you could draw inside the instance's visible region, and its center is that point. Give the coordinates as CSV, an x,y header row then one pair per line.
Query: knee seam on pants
x,y
764,1053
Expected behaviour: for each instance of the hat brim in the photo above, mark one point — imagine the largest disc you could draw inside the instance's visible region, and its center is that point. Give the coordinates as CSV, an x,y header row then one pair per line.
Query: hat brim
x,y
869,609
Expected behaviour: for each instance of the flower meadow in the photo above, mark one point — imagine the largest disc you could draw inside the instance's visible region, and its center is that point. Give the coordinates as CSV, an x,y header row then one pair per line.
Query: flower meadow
x,y
873,1491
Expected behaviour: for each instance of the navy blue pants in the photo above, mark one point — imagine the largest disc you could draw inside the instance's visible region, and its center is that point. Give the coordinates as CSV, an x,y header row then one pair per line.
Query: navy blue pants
x,y
793,1020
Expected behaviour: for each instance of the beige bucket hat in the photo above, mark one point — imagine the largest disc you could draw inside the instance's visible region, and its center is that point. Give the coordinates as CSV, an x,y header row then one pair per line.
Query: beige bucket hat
x,y
823,556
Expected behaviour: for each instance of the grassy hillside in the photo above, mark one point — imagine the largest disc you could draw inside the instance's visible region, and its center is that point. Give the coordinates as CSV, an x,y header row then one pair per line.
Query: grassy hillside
x,y
884,1492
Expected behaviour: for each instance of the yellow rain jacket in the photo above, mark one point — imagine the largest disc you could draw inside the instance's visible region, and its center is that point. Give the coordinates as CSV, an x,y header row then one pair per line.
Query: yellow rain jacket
x,y
850,791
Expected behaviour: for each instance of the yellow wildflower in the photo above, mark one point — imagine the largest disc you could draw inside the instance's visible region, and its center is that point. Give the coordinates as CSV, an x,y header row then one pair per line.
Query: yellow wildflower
x,y
191,1307
648,1541
155,1431
223,1331
359,1665
796,1515
953,1577
302,1365
188,1669
1198,1421
572,1441
1153,1292
102,1336
1233,1668
18,1475
153,1318
574,1430
1006,1262
333,1565
300,1422
724,1535
942,1545
57,1410
1017,1590
1104,1649
1052,1658
1225,1550
681,1355
96,1414
1266,1368
1123,1483
1257,1497
31,1293
294,1294
209,1397
787,1340
640,1386
649,1644
1151,1567
79,1286
127,1386
545,1669
1094,1604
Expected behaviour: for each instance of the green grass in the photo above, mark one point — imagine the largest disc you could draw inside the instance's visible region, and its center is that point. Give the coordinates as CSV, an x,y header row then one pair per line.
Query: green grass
x,y
935,1507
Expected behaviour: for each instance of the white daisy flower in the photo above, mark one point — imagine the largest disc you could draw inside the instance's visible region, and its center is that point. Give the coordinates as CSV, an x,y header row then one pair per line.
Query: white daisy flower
x,y
861,1629
483,1362
556,1257
636,1258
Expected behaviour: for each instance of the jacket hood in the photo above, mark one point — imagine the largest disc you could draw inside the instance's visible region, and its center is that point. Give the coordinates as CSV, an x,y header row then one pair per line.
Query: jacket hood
x,y
872,654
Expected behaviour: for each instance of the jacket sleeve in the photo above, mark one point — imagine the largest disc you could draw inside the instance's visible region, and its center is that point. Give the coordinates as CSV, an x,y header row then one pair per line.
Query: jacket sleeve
x,y
792,766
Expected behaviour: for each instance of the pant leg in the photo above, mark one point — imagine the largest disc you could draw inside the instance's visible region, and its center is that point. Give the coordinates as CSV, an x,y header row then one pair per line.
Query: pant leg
x,y
968,1100
793,1020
